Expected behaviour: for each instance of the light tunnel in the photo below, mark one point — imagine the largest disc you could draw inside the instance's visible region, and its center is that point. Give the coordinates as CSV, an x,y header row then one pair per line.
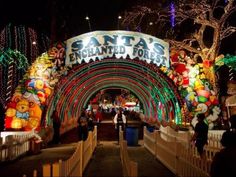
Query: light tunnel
x,y
157,93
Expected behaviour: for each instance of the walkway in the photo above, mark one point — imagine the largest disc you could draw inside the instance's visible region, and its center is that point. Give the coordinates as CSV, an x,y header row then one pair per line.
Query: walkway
x,y
106,162
148,165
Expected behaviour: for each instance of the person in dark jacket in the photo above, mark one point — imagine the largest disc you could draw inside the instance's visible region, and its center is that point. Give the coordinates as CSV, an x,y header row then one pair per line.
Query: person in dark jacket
x,y
91,118
200,136
223,163
56,127
83,126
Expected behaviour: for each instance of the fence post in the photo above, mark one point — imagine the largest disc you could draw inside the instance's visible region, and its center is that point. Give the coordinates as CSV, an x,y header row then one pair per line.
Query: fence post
x,y
134,169
35,173
81,158
90,143
55,170
95,133
155,142
1,149
46,170
9,142
61,168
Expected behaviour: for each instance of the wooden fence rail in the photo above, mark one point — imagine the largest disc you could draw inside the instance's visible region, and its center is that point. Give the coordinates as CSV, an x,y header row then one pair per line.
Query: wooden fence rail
x,y
15,144
75,165
130,168
177,153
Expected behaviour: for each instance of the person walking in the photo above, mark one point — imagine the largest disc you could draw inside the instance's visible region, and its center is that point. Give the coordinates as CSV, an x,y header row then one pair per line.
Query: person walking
x,y
119,120
56,127
98,116
200,136
223,163
91,118
83,126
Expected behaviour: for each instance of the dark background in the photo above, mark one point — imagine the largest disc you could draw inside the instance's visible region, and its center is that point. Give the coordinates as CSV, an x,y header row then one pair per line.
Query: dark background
x,y
62,19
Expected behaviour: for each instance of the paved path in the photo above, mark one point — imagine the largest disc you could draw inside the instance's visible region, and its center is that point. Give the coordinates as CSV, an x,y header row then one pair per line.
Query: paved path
x,y
148,165
106,162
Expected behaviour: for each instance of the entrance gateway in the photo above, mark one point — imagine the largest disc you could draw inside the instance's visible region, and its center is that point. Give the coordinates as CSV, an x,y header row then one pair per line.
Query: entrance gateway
x,y
96,61
122,59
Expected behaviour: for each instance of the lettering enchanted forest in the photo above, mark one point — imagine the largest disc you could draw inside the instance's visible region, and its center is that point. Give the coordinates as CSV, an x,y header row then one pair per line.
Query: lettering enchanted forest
x,y
103,44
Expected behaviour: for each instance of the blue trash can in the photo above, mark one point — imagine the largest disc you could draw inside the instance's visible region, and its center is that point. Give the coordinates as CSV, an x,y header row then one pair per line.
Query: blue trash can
x,y
150,128
132,136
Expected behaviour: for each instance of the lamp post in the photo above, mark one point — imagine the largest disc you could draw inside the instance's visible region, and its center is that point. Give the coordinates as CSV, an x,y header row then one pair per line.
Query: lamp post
x,y
88,20
149,25
118,23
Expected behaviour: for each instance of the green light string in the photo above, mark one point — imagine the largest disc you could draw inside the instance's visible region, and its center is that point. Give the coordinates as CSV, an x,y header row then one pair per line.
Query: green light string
x,y
77,90
228,60
76,96
121,84
164,99
119,80
156,83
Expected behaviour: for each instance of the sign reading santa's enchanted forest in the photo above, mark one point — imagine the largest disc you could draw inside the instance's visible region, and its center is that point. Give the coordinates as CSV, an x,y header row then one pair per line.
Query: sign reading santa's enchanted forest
x,y
103,44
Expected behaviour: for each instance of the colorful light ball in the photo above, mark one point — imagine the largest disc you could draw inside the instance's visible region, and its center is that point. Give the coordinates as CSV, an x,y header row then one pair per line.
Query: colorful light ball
x,y
202,99
204,93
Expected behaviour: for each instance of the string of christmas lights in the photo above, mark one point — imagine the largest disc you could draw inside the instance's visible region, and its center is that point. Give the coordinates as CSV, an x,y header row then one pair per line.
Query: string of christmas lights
x,y
79,85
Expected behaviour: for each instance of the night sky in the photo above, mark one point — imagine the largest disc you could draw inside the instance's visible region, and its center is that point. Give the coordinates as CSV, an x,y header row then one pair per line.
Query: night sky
x,y
68,16
63,19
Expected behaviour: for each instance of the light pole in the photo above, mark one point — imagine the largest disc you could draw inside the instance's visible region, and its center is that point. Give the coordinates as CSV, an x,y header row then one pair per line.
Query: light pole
x,y
88,20
148,25
118,24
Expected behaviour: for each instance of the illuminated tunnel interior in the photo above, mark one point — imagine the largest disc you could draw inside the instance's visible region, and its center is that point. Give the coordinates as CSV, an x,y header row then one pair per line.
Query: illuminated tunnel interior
x,y
157,93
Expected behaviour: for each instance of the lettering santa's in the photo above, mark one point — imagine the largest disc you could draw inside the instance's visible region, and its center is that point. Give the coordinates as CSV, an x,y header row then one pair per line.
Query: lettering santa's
x,y
103,44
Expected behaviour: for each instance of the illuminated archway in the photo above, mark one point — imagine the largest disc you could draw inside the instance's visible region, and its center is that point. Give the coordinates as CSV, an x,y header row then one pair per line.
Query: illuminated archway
x,y
95,61
157,93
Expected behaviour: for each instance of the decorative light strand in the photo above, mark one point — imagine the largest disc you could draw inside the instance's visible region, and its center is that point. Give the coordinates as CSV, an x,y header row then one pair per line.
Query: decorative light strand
x,y
172,16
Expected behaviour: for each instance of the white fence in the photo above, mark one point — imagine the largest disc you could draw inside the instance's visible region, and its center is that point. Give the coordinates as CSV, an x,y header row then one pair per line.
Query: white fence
x,y
174,150
15,144
130,168
75,165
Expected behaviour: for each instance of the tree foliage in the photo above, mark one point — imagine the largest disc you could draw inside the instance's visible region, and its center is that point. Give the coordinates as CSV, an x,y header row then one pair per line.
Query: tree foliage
x,y
199,26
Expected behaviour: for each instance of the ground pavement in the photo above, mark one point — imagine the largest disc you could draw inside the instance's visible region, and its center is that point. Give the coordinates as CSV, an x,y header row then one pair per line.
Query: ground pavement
x,y
105,160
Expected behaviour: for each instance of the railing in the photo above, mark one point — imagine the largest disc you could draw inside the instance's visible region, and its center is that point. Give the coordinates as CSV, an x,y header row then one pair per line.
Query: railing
x,y
214,137
15,144
76,164
180,157
130,168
